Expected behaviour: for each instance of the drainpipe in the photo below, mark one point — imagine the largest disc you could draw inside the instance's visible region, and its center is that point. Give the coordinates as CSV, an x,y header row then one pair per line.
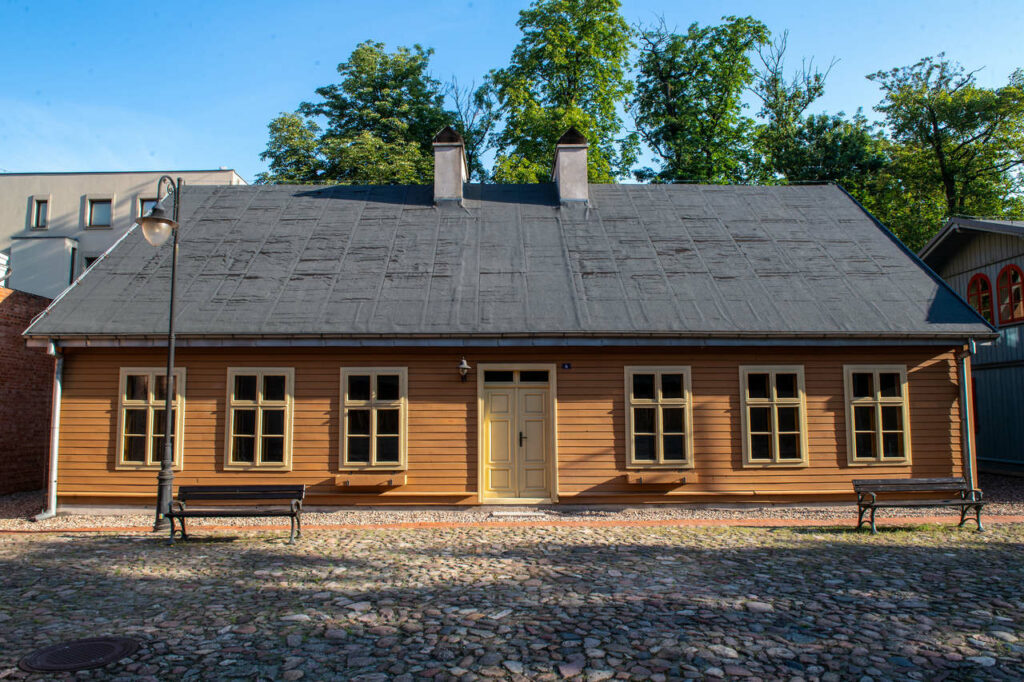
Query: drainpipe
x,y
51,493
965,412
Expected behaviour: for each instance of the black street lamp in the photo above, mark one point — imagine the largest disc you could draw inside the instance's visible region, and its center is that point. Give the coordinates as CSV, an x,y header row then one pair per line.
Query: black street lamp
x,y
156,228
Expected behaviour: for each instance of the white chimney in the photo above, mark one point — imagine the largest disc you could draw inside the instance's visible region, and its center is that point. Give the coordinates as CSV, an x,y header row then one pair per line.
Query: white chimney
x,y
570,168
450,171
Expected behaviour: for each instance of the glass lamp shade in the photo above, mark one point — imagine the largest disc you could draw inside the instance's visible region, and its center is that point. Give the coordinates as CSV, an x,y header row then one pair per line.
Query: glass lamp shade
x,y
157,227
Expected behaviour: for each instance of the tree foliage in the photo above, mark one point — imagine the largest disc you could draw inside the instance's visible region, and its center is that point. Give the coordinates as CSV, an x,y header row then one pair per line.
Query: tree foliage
x,y
378,123
688,105
954,135
569,69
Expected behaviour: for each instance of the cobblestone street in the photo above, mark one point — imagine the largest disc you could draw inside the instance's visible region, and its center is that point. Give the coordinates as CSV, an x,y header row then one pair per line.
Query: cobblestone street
x,y
537,603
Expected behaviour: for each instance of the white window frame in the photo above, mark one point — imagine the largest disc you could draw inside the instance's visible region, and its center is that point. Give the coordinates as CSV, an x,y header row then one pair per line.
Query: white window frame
x,y
34,200
773,402
87,211
259,404
138,205
373,404
686,402
877,401
151,404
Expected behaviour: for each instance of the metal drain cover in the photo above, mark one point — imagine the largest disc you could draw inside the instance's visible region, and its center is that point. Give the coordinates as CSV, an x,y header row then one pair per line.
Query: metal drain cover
x,y
80,654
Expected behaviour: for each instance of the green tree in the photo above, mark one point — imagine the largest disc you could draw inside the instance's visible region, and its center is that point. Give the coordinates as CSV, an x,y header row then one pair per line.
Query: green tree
x,y
474,119
378,123
955,137
688,105
569,69
783,103
831,148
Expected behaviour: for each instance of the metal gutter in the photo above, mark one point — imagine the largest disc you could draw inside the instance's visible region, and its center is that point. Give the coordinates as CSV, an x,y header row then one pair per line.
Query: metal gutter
x,y
965,414
510,341
51,496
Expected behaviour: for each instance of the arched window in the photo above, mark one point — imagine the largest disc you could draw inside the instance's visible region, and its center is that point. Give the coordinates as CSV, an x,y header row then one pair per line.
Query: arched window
x,y
979,295
1011,294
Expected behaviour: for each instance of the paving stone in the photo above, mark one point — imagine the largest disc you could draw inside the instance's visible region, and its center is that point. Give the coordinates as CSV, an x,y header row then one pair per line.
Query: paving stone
x,y
528,602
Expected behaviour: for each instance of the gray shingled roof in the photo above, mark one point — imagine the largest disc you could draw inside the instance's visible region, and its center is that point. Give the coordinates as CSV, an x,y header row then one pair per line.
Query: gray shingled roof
x,y
689,260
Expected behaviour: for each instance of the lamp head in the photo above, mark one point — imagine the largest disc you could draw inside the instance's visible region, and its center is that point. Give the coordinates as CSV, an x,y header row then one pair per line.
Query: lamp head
x,y
464,368
157,227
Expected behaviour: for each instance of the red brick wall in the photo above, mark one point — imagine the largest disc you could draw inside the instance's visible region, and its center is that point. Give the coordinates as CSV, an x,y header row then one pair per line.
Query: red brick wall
x,y
26,386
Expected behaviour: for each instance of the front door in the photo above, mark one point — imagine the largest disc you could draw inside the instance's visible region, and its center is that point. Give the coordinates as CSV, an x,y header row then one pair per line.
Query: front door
x,y
517,435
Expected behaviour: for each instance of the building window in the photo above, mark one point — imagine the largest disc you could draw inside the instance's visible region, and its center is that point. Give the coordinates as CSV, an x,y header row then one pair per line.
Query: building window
x,y
374,417
145,206
99,213
142,416
259,417
774,416
40,214
979,295
877,416
658,420
1010,284
89,261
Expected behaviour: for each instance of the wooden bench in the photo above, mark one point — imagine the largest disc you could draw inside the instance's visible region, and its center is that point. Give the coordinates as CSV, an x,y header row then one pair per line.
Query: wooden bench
x,y
230,493
868,490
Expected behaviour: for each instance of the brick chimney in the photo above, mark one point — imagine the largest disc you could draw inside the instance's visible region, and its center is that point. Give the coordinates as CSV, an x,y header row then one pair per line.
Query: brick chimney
x,y
570,168
450,170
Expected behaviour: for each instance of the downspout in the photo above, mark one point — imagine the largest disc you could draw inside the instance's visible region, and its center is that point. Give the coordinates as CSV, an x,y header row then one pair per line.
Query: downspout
x,y
965,413
51,492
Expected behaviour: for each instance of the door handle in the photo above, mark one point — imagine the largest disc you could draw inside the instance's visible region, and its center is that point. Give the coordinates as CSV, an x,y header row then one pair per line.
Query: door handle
x,y
521,439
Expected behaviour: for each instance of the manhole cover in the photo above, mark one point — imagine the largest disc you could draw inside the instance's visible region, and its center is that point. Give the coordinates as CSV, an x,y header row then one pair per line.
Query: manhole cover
x,y
80,654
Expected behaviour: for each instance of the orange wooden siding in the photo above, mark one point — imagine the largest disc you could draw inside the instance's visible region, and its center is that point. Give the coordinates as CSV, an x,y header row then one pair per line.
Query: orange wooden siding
x,y
442,436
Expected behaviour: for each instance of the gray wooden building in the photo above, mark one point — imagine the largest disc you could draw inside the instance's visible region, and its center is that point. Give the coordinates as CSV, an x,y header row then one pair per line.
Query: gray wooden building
x,y
983,260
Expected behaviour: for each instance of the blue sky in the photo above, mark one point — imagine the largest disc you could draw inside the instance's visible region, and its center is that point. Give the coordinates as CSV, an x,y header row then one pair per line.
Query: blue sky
x,y
104,85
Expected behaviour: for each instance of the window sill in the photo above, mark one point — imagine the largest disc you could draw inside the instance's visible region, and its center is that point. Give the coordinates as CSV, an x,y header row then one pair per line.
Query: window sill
x,y
278,468
655,477
98,227
776,465
878,463
374,478
126,466
654,466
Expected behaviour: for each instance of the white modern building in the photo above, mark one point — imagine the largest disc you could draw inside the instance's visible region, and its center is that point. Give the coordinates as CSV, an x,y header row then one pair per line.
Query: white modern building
x,y
54,225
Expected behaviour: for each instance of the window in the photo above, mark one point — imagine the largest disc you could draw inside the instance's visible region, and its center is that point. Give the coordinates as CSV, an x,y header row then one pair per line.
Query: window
x,y
40,214
89,261
1011,294
145,206
979,295
99,213
658,421
259,418
141,417
373,417
774,416
877,417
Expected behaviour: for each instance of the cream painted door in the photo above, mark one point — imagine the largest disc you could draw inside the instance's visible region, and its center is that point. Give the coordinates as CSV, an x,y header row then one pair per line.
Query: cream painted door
x,y
531,454
500,443
516,441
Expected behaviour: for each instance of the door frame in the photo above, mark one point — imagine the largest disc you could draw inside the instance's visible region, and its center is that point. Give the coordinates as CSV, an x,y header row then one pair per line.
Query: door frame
x,y
552,431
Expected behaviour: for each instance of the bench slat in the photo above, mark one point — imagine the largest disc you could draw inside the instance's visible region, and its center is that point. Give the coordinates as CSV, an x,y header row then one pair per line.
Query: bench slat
x,y
241,492
909,484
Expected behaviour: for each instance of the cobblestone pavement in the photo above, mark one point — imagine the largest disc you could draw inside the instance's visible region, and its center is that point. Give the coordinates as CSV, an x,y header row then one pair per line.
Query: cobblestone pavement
x,y
543,603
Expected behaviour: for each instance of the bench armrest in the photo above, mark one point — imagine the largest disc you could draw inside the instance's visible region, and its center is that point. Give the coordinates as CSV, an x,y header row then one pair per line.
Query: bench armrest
x,y
974,495
296,506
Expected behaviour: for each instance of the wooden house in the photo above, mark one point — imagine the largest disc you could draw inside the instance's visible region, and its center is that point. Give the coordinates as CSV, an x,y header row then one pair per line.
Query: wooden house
x,y
624,343
983,260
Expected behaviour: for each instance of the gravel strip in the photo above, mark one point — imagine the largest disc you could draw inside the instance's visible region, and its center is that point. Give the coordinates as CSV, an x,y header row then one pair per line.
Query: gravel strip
x,y
526,603
1005,496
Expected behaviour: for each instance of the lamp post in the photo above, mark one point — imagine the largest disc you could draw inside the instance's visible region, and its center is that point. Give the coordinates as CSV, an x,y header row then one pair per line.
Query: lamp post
x,y
157,228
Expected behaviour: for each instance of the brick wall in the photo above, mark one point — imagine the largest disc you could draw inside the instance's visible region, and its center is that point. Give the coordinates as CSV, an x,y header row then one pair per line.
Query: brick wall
x,y
26,386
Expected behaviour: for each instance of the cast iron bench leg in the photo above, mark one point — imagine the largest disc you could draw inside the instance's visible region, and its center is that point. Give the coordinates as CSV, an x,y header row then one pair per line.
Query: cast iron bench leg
x,y
874,531
170,541
291,535
860,515
977,512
